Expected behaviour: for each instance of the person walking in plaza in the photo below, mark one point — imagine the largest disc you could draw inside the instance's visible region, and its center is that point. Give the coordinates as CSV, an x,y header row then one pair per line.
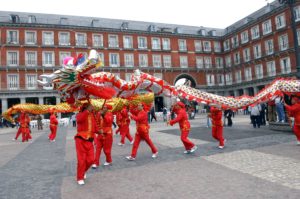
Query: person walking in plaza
x,y
228,114
39,122
124,127
255,115
208,119
104,138
86,129
294,111
73,119
184,124
217,125
142,131
165,114
152,113
280,108
53,126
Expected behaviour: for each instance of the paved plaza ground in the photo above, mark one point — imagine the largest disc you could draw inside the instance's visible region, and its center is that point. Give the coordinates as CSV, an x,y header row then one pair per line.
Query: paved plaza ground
x,y
256,163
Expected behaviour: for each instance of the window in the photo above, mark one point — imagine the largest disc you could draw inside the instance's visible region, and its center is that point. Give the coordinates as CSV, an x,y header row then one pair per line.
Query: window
x,y
267,27
238,76
198,46
207,62
199,62
283,42
255,32
217,46
12,58
297,13
155,43
114,60
269,47
285,65
48,38
31,81
129,60
167,61
206,46
246,54
62,56
226,44
228,61
280,21
128,77
228,78
182,45
101,55
183,61
64,38
257,51
143,60
127,42
166,44
30,58
158,75
271,69
12,37
259,71
220,79
13,82
235,41
244,37
48,59
156,59
298,36
142,42
219,62
81,39
210,79
237,58
97,40
248,74
30,37
113,41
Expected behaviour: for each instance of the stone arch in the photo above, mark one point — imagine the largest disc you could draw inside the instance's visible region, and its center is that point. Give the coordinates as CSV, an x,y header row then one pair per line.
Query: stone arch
x,y
188,77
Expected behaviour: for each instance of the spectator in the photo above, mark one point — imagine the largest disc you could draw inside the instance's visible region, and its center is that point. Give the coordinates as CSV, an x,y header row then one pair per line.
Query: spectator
x,y
152,112
228,114
165,113
255,115
280,108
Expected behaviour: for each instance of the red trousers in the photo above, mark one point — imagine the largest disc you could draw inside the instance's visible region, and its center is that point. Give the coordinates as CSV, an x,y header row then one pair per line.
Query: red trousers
x,y
137,139
186,142
217,133
53,130
124,132
18,133
103,142
25,134
297,132
85,156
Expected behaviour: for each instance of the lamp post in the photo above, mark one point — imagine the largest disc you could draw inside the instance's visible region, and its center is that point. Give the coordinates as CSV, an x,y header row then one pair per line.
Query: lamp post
x,y
291,4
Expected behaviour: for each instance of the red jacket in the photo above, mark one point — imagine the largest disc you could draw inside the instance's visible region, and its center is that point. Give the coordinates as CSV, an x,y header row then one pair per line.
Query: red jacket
x,y
86,125
141,122
53,120
107,121
216,116
294,111
182,119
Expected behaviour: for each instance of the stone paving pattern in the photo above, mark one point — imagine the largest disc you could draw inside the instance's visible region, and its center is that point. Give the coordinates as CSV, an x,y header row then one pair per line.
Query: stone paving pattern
x,y
256,163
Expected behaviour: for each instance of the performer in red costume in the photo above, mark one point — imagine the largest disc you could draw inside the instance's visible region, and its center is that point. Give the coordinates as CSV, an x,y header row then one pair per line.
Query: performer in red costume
x,y
182,119
105,136
142,132
124,127
86,128
294,111
24,127
217,125
53,127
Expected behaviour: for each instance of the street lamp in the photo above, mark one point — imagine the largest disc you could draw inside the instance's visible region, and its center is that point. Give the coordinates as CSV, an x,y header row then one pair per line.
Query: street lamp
x,y
291,4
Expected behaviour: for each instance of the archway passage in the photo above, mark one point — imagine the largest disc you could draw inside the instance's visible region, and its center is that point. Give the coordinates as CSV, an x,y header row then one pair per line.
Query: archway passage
x,y
185,79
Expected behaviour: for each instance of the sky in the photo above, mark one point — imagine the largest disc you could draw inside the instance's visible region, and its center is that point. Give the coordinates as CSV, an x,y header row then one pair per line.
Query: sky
x,y
206,13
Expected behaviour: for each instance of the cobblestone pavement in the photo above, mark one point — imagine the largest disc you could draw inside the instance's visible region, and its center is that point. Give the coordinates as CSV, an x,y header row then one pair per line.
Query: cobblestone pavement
x,y
256,163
